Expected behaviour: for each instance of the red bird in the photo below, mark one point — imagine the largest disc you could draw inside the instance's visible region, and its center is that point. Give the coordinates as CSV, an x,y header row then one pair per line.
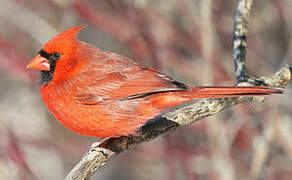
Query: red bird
x,y
104,94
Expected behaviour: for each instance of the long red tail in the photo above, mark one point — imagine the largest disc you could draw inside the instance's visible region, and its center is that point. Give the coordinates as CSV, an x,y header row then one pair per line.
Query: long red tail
x,y
232,91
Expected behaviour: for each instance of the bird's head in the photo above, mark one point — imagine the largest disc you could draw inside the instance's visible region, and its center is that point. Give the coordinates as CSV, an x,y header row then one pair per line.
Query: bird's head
x,y
57,54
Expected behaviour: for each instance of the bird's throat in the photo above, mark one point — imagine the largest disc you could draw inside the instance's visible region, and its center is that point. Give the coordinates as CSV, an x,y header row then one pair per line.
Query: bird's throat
x,y
47,76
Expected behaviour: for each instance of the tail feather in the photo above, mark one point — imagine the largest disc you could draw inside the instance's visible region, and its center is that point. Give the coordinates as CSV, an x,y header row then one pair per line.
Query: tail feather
x,y
232,91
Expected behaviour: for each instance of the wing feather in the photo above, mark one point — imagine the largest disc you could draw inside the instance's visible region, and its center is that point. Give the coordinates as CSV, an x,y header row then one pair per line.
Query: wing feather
x,y
121,78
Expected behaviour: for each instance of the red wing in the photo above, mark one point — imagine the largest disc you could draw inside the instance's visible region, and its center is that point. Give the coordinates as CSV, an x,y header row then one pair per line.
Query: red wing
x,y
124,80
145,81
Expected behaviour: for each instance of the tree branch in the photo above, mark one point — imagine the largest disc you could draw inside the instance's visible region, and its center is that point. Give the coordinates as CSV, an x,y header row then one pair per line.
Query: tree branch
x,y
239,39
100,153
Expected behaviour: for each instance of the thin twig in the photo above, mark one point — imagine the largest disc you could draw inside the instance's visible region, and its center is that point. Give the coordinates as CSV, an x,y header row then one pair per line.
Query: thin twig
x,y
239,39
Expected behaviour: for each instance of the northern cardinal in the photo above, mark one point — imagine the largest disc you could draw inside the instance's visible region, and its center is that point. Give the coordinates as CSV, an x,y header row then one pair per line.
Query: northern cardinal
x,y
104,94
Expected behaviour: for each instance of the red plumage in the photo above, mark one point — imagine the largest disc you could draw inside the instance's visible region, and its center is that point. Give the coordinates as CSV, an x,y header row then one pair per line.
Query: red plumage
x,y
104,94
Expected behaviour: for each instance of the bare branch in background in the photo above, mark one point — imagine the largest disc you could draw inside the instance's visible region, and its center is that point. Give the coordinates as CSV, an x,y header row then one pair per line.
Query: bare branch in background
x,y
239,39
100,153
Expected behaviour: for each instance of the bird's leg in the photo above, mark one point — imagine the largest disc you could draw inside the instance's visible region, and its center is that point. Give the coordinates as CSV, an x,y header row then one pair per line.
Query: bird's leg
x,y
98,142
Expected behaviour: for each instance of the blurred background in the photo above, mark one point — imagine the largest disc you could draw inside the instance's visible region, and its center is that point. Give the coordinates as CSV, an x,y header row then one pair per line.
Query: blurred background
x,y
188,39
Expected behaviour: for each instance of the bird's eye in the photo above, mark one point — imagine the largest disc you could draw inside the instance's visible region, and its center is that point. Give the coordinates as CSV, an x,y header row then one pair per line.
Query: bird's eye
x,y
56,55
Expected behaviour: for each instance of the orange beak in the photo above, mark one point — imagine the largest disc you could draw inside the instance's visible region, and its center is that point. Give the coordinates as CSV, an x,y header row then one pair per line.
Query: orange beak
x,y
39,63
